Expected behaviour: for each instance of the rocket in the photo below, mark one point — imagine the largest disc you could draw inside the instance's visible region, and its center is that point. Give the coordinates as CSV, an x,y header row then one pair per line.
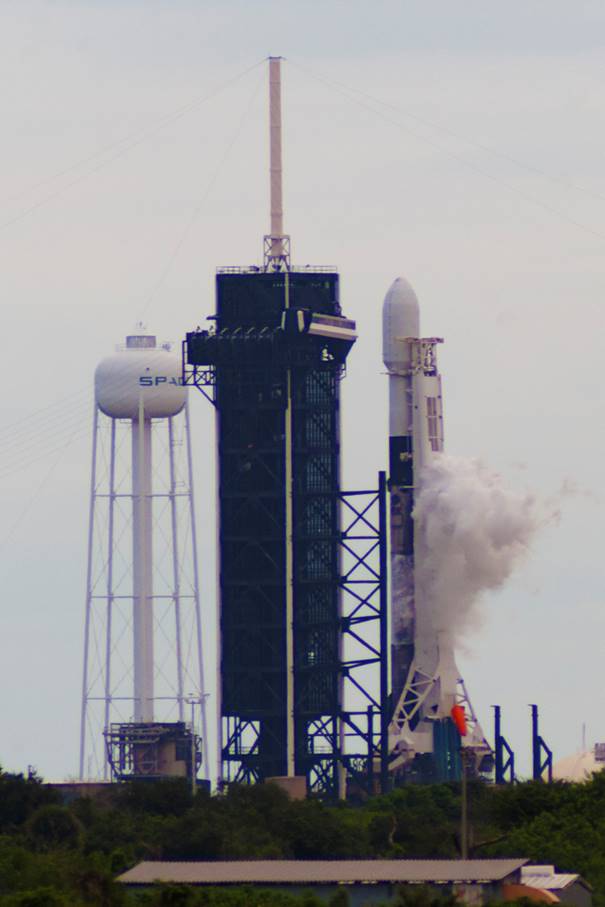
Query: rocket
x,y
430,707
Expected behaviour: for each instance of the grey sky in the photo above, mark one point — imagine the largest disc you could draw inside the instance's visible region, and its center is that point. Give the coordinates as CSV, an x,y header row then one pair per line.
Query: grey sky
x,y
513,286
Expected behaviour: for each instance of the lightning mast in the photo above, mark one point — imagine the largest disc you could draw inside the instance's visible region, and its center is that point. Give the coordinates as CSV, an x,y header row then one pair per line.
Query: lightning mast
x,y
277,244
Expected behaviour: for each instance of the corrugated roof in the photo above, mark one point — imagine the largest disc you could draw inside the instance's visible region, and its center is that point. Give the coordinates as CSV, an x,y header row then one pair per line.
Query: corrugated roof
x,y
547,878
296,872
554,882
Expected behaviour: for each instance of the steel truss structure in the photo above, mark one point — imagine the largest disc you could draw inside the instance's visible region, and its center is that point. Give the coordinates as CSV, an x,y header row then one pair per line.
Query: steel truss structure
x,y
349,749
108,696
541,752
364,624
153,750
479,755
504,757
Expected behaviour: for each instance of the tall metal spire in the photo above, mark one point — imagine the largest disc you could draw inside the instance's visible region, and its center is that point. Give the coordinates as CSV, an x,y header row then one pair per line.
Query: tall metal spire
x,y
276,244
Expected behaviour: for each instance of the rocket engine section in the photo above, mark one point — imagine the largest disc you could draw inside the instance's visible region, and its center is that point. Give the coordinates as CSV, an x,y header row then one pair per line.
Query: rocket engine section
x,y
428,695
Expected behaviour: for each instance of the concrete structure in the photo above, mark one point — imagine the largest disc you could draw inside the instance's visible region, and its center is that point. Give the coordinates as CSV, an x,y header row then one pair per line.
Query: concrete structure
x,y
474,881
294,785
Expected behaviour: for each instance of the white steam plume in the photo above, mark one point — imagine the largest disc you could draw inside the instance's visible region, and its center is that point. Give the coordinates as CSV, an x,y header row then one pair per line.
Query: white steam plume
x,y
474,533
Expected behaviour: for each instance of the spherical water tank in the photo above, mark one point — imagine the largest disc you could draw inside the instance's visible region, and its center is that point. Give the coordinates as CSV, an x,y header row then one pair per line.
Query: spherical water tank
x,y
141,372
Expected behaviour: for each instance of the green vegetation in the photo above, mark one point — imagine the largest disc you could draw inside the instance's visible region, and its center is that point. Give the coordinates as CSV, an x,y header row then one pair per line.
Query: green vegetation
x,y
53,854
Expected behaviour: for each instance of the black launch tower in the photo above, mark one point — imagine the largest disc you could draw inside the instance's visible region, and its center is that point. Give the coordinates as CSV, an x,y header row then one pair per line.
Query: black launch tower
x,y
277,353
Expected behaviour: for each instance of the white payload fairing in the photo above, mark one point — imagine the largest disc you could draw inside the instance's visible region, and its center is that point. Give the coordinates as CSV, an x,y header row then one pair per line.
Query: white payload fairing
x,y
430,705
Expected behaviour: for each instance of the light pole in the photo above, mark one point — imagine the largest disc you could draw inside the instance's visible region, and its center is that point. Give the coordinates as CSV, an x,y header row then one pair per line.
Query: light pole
x,y
194,699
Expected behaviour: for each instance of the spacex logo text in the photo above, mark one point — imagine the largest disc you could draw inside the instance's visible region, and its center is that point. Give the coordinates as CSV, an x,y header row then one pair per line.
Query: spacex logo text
x,y
149,381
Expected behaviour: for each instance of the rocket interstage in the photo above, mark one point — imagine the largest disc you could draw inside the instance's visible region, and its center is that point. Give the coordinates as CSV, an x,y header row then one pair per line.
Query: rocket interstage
x,y
427,692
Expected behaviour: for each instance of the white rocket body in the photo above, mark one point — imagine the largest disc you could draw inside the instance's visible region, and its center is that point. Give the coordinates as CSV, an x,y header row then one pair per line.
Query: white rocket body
x,y
424,677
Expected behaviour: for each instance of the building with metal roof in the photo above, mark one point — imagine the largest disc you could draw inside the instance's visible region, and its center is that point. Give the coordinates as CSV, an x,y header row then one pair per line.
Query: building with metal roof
x,y
474,881
568,887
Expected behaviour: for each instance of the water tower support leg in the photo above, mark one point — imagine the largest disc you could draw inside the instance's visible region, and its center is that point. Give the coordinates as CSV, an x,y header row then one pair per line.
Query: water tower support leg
x,y
91,517
110,542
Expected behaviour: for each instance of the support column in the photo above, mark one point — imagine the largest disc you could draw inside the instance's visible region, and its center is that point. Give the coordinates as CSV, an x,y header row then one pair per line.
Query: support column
x,y
109,590
142,567
289,455
196,595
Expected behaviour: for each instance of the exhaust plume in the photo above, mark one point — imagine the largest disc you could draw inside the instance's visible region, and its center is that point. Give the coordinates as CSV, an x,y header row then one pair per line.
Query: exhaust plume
x,y
474,533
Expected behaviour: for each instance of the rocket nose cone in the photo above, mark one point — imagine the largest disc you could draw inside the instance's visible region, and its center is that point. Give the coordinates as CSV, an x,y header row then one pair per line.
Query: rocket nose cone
x,y
400,318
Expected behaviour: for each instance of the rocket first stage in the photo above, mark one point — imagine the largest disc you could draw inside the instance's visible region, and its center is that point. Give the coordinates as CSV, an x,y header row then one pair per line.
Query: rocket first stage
x,y
431,711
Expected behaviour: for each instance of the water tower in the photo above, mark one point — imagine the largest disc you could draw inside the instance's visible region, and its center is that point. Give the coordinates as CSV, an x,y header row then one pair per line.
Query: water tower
x,y
143,698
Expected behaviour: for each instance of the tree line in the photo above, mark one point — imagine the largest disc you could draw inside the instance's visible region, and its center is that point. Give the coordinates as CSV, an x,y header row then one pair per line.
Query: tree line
x,y
54,854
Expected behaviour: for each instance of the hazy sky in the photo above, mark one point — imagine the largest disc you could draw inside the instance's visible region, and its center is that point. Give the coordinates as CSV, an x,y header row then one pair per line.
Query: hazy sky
x,y
460,144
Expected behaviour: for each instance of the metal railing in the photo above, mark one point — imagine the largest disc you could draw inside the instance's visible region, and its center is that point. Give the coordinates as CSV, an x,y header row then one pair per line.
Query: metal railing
x,y
295,269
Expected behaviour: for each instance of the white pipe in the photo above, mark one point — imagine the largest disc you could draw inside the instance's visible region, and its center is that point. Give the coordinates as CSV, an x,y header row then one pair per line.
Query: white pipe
x,y
176,579
219,635
341,774
275,164
142,567
196,593
289,454
290,738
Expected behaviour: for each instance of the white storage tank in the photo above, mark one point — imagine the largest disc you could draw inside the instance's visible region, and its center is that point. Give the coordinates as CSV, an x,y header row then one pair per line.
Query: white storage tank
x,y
581,766
140,372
